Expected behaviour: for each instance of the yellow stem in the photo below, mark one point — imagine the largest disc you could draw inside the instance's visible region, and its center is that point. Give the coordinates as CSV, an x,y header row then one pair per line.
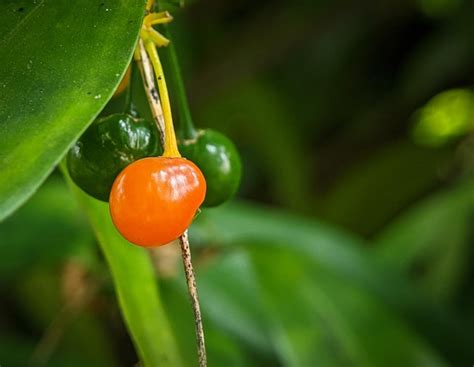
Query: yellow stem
x,y
157,38
162,17
171,147
149,5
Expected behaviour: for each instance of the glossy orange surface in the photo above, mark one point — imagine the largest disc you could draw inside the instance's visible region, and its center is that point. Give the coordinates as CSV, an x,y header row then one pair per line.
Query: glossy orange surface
x,y
154,200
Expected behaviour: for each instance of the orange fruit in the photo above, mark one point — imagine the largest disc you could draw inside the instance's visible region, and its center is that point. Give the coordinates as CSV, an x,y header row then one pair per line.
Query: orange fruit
x,y
154,200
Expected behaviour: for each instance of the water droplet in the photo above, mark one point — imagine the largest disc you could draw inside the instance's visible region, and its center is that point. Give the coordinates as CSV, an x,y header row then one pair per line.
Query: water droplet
x,y
98,96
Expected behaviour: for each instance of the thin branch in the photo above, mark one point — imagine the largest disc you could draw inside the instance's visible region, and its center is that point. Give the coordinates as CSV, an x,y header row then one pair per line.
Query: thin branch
x,y
146,69
149,83
193,295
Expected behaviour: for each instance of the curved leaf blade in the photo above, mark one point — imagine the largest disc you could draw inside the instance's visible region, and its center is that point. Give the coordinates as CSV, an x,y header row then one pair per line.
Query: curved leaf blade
x,y
60,63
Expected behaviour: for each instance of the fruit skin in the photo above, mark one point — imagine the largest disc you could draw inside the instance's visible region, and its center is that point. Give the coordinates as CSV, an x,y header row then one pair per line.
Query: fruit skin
x,y
109,145
219,161
154,200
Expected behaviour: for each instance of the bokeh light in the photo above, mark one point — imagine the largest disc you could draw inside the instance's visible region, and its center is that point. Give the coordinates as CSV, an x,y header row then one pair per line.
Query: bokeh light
x,y
448,115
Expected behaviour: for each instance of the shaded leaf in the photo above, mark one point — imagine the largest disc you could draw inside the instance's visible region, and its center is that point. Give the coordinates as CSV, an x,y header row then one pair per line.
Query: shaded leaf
x,y
432,240
341,255
55,230
317,318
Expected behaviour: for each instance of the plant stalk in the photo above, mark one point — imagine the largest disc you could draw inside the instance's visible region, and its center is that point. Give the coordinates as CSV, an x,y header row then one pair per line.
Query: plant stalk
x,y
170,146
148,77
146,68
193,295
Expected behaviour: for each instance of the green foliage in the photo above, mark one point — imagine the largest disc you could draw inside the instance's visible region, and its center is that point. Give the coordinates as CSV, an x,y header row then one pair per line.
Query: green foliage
x,y
432,241
321,269
438,8
47,310
309,304
446,116
49,94
55,231
363,188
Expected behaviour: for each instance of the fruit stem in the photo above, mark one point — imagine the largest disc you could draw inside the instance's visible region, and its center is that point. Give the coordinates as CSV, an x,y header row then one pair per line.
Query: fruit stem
x,y
143,56
171,147
186,125
149,5
149,85
193,295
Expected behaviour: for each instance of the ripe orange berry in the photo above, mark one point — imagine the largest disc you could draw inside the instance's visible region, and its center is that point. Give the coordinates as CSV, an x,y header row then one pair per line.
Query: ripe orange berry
x,y
154,200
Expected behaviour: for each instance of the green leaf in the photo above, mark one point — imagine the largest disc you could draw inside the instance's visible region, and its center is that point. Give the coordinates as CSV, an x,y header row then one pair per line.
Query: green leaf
x,y
60,63
224,347
287,305
241,222
338,253
432,241
320,319
240,311
56,230
373,191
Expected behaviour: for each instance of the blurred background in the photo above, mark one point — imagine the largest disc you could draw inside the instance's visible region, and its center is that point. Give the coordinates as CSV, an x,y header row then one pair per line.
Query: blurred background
x,y
351,240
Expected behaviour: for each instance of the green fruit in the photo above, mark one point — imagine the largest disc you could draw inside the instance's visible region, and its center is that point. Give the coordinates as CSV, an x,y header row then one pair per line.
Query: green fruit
x,y
219,161
106,148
